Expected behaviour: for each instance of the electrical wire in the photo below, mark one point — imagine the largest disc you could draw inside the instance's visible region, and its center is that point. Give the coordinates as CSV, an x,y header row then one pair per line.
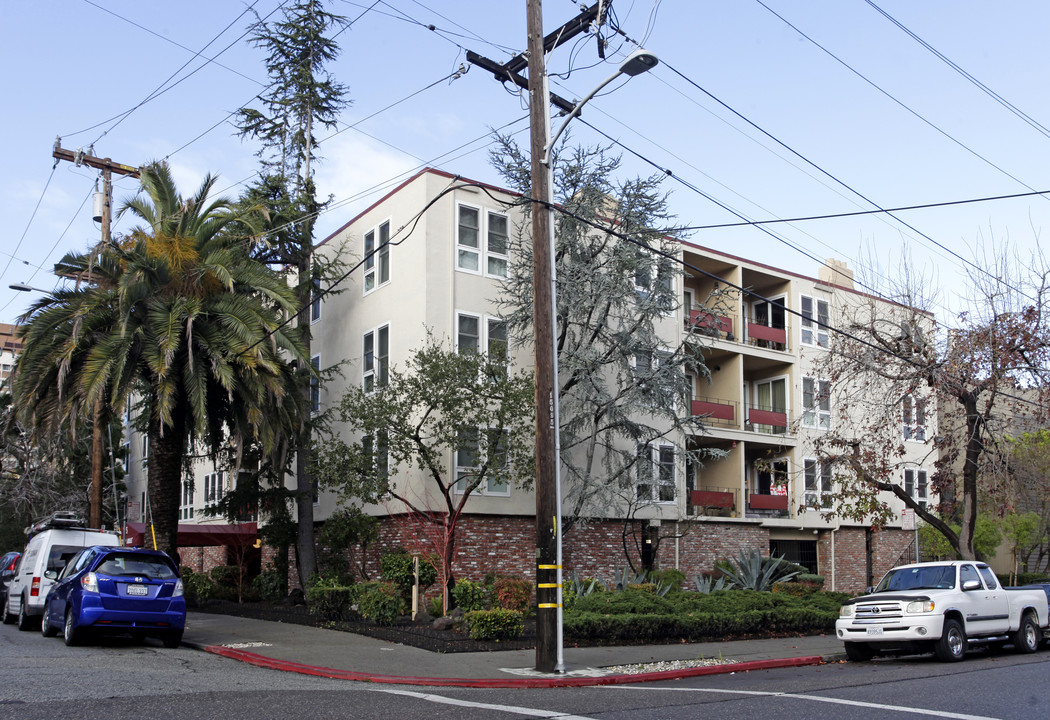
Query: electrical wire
x,y
1036,125
28,224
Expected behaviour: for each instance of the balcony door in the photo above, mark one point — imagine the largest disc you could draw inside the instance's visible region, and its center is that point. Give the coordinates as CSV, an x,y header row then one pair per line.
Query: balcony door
x,y
768,410
768,323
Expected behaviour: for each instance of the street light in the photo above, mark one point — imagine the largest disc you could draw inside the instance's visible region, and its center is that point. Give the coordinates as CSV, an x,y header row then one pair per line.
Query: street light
x,y
545,322
22,287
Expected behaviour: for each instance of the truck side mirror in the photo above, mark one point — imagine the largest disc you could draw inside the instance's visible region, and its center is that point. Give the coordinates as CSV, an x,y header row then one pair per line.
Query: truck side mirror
x,y
971,585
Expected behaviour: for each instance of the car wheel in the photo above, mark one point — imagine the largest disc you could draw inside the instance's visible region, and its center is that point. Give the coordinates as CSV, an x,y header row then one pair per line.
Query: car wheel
x,y
9,617
24,621
70,633
45,623
172,639
952,644
858,652
1027,638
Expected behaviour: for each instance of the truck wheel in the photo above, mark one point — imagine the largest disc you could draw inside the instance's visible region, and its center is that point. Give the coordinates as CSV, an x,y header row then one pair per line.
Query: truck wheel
x,y
858,652
24,621
1026,638
951,646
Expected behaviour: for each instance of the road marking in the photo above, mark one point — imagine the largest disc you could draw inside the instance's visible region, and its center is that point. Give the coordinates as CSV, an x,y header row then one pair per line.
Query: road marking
x,y
818,698
530,712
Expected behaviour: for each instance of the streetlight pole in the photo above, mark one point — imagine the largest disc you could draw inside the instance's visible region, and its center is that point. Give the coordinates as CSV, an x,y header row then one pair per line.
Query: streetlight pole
x,y
549,641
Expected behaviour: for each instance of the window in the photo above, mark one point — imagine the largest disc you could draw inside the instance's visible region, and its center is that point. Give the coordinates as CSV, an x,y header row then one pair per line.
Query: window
x,y
213,489
653,376
770,399
817,483
470,456
814,322
469,248
380,454
913,418
800,552
656,474
375,358
315,384
816,403
186,507
315,302
657,280
496,250
771,478
989,577
377,257
916,484
474,334
143,508
145,447
769,314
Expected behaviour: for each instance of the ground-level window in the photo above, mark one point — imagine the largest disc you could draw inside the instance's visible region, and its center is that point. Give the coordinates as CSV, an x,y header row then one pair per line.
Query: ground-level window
x,y
800,552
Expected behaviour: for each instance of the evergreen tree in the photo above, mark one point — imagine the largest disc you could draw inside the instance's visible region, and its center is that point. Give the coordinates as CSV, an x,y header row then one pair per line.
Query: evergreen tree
x,y
301,97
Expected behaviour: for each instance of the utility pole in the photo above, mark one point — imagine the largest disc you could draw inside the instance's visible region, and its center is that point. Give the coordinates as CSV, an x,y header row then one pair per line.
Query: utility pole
x,y
543,325
100,414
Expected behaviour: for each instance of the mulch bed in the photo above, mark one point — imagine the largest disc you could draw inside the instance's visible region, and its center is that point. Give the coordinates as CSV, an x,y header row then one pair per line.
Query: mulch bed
x,y
403,632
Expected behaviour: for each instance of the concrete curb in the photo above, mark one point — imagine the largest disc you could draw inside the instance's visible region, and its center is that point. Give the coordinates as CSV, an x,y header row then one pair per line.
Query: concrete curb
x,y
533,682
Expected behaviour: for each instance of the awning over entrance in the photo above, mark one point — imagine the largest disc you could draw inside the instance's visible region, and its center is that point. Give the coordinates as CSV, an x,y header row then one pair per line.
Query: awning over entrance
x,y
240,534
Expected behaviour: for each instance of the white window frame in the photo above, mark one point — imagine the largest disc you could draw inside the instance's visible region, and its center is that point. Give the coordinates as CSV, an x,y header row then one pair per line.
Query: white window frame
x,y
315,385
817,483
213,488
493,486
377,267
370,379
751,400
315,301
657,470
380,452
779,468
485,335
812,333
489,262
186,506
913,418
917,485
816,414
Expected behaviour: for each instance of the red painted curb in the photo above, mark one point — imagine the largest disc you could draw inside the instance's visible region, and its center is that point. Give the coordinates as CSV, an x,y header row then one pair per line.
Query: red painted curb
x,y
553,682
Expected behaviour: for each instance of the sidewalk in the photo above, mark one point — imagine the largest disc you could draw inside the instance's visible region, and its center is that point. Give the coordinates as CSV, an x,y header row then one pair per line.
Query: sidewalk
x,y
335,654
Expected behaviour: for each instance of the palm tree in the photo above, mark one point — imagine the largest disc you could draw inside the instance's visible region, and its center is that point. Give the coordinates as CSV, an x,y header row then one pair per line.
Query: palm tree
x,y
186,319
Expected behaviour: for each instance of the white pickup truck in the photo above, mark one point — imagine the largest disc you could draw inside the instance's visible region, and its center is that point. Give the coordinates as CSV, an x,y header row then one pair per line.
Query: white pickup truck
x,y
943,607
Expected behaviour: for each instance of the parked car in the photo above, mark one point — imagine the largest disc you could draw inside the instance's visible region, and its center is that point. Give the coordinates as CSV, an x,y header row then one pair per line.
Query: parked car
x,y
52,543
117,591
8,565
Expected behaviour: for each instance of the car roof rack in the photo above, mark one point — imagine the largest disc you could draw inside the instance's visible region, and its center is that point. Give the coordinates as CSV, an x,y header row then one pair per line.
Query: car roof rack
x,y
64,519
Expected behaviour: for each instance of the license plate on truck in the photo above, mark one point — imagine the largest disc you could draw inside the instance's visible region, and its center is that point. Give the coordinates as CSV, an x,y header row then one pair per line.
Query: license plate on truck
x,y
874,631
141,590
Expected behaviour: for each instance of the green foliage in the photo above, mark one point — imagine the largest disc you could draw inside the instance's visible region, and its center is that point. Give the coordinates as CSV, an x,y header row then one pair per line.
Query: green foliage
x,y
625,577
341,534
197,587
671,578
331,602
470,596
512,593
498,624
705,583
1025,578
396,566
576,587
224,579
986,538
627,601
435,606
271,584
380,602
753,571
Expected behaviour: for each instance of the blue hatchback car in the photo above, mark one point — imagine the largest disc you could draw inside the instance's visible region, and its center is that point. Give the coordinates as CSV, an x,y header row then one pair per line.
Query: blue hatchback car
x,y
117,591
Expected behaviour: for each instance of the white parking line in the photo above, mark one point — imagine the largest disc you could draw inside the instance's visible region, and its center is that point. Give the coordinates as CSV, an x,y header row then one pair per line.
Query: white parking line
x,y
530,712
815,698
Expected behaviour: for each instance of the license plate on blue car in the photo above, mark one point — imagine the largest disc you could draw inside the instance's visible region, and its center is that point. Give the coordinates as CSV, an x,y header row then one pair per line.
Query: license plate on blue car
x,y
137,590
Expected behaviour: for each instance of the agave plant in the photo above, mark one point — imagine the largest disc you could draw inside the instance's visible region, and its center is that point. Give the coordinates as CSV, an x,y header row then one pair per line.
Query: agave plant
x,y
706,584
753,571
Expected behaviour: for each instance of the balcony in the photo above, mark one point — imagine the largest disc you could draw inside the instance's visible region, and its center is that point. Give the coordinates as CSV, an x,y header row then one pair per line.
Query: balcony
x,y
714,502
772,418
709,324
716,411
764,336
756,501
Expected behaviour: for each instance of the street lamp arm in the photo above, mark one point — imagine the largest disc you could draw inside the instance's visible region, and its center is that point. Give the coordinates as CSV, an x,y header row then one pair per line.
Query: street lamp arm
x,y
636,63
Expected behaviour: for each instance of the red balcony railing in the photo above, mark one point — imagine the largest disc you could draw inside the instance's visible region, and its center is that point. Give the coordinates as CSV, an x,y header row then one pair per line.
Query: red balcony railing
x,y
767,417
767,502
711,498
767,334
707,323
713,409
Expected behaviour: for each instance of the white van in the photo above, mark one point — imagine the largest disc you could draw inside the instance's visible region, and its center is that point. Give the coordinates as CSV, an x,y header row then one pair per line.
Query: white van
x,y
49,549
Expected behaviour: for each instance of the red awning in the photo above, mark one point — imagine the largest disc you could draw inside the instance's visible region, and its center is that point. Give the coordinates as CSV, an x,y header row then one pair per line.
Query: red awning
x,y
198,535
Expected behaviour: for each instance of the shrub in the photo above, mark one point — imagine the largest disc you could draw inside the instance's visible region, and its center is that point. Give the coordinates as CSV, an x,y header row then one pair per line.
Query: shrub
x,y
331,603
574,588
752,571
396,567
271,584
670,578
197,587
470,596
709,583
499,624
380,602
628,601
435,606
810,579
224,580
512,593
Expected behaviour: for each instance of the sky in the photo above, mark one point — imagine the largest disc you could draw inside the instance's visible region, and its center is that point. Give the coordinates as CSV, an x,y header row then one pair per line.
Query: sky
x,y
759,110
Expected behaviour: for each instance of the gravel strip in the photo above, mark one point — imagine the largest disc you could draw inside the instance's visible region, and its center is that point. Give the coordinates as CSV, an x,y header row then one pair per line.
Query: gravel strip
x,y
666,665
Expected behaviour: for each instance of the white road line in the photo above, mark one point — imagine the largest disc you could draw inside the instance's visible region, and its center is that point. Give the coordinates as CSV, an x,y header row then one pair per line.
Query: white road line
x,y
530,712
815,698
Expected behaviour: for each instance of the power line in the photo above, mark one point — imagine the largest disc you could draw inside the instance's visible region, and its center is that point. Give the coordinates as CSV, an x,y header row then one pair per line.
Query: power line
x,y
28,224
1039,127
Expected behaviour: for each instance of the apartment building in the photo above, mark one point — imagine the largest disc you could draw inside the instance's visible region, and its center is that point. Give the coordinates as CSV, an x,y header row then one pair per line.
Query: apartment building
x,y
760,331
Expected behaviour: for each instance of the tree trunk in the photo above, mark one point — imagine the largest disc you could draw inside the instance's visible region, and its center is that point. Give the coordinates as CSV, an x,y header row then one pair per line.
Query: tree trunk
x,y
165,482
304,483
974,448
